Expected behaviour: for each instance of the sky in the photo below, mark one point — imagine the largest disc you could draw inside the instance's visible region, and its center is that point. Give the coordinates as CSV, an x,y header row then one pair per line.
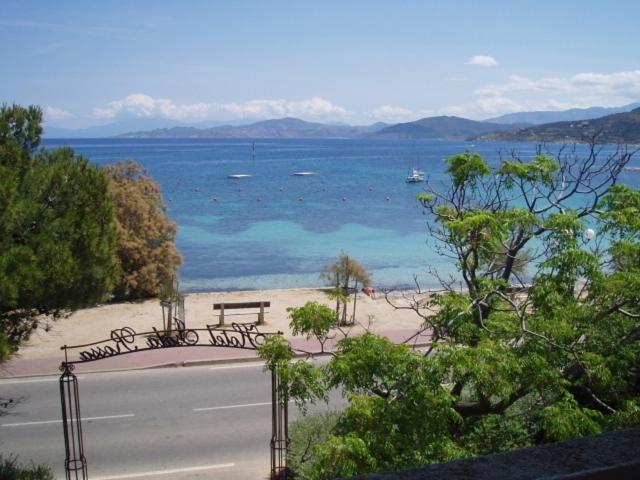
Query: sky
x,y
357,62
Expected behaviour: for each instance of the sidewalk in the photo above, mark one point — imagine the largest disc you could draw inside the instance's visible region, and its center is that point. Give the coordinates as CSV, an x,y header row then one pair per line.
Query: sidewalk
x,y
42,355
172,357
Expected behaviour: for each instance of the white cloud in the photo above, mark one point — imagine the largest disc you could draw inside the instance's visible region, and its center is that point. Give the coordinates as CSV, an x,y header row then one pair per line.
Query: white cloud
x,y
54,113
483,61
455,110
391,113
495,105
141,105
582,90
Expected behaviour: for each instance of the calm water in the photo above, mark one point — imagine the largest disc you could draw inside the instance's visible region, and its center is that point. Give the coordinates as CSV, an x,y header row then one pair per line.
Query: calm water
x,y
276,230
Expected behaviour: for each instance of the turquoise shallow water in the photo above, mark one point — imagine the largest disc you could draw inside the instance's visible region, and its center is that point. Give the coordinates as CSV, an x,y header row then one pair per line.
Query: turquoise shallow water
x,y
276,230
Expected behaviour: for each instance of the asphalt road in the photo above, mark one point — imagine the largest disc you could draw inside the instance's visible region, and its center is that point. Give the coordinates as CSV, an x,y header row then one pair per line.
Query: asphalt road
x,y
209,422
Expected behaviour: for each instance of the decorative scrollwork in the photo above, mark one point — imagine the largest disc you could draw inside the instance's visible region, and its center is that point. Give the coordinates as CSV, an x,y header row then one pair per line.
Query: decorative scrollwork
x,y
126,340
67,367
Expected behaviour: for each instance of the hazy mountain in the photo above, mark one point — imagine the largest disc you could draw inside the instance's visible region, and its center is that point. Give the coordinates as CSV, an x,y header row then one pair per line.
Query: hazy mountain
x,y
537,118
133,124
108,130
438,127
277,128
617,128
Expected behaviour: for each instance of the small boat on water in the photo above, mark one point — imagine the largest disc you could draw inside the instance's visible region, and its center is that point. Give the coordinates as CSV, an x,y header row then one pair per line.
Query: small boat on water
x,y
415,176
631,169
303,174
239,176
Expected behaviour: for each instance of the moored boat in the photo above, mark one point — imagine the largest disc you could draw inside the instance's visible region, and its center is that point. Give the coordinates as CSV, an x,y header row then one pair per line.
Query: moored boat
x,y
415,176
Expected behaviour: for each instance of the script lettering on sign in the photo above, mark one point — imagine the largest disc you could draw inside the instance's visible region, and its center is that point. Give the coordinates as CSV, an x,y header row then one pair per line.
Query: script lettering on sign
x,y
186,338
126,340
240,336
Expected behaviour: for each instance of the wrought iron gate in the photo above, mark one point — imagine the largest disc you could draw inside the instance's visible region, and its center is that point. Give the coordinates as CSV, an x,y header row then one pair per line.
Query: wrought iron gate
x,y
126,341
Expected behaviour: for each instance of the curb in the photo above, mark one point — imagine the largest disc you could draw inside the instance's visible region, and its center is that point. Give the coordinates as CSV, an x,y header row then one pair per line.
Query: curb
x,y
183,364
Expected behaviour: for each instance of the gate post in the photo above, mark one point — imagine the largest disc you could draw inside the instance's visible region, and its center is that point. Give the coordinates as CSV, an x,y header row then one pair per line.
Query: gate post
x,y
279,428
75,464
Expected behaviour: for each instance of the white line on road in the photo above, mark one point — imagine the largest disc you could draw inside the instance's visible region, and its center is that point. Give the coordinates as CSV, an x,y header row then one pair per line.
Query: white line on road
x,y
165,472
44,422
226,407
231,406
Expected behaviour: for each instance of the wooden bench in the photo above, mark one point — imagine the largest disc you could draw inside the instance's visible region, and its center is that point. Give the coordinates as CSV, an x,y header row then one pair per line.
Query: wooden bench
x,y
248,307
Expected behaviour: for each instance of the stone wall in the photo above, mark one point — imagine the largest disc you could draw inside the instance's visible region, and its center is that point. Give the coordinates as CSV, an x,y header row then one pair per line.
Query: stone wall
x,y
614,455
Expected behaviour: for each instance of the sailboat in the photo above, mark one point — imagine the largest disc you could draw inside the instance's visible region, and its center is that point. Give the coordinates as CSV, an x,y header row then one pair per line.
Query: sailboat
x,y
239,176
415,176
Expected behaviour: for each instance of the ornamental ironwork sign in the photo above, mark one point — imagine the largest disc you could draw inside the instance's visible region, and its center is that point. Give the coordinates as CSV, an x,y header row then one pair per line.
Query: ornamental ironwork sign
x,y
126,340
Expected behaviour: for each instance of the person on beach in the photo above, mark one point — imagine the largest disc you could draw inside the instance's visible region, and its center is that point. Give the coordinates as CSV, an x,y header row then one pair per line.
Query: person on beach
x,y
370,291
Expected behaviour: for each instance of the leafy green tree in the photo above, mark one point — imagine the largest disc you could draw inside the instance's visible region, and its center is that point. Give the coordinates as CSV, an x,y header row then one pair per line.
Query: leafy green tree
x,y
339,275
299,380
305,433
147,253
525,354
57,235
312,320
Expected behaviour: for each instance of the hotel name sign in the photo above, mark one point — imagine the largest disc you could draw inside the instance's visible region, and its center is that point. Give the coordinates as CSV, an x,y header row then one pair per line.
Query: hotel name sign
x,y
126,340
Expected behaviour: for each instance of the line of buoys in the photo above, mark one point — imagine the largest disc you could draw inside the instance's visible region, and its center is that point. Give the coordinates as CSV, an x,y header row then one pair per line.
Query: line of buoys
x,y
259,198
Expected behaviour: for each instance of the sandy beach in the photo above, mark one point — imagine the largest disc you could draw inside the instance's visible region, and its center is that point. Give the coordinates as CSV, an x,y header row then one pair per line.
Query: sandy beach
x,y
94,324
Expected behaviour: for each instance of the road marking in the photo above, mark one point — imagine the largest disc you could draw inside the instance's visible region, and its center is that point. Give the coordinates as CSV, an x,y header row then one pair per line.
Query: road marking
x,y
45,422
246,365
165,472
231,406
226,407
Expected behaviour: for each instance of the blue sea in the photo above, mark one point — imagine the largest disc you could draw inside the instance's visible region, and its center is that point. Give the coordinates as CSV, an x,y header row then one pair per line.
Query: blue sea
x,y
277,230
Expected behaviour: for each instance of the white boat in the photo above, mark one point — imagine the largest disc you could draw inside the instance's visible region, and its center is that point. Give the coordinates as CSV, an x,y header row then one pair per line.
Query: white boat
x,y
303,174
238,176
415,176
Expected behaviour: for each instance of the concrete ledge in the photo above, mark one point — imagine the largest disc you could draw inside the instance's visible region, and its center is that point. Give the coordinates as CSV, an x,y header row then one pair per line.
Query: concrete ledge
x,y
614,455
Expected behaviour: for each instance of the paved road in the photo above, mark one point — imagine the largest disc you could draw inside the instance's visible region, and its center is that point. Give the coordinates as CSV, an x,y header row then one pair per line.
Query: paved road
x,y
199,422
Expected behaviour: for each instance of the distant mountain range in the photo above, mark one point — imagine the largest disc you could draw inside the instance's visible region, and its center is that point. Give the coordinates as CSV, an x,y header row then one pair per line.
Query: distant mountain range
x,y
617,128
523,126
454,128
537,118
278,128
128,125
426,128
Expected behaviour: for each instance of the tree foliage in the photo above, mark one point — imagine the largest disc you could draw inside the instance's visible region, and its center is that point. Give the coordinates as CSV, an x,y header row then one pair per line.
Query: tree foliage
x,y
312,320
339,276
523,354
146,248
57,235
